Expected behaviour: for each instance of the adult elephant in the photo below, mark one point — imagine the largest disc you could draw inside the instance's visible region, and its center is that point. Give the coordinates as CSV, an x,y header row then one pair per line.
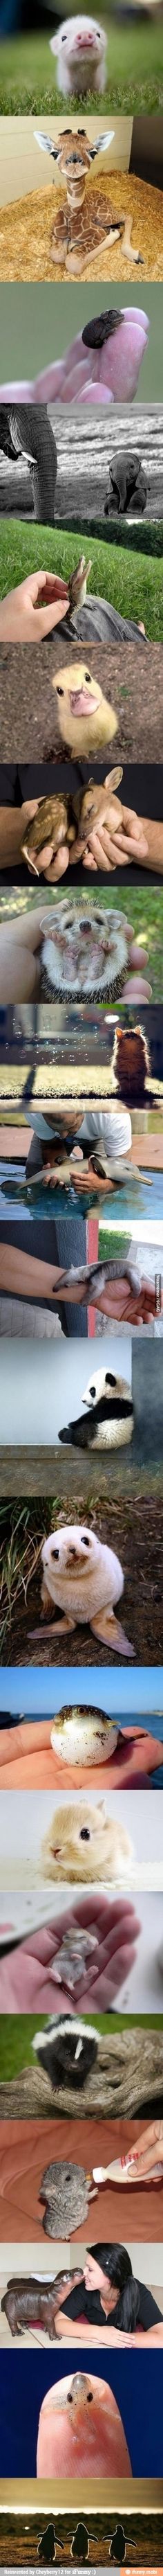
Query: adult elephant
x,y
26,431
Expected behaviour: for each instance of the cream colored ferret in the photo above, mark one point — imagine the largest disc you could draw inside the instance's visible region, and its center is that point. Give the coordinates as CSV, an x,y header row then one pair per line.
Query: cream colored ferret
x,y
84,1843
86,719
84,1580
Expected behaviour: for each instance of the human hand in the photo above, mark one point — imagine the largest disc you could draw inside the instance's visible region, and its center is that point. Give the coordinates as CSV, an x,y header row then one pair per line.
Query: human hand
x,y
118,1301
136,1756
30,611
147,2154
29,1973
102,369
107,849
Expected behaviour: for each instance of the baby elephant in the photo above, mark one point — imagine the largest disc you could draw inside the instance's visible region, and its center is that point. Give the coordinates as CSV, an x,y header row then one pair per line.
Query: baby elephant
x,y
127,486
28,2302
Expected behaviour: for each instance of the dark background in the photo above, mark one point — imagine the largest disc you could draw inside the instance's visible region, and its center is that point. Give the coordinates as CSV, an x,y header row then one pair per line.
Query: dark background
x,y
137,2382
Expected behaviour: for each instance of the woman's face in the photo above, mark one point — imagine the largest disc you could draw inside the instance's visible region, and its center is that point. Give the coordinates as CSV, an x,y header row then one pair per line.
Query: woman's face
x,y
94,2278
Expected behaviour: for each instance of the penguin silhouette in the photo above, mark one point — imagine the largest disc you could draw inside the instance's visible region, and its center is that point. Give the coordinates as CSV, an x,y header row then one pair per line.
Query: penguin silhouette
x,y
117,2549
80,2543
47,2546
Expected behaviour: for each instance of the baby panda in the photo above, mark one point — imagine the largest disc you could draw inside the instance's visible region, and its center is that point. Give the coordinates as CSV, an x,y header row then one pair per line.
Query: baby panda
x,y
66,2050
85,1844
109,1419
80,51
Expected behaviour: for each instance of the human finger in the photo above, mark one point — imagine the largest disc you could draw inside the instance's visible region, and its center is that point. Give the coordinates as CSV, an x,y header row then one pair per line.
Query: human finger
x,y
136,989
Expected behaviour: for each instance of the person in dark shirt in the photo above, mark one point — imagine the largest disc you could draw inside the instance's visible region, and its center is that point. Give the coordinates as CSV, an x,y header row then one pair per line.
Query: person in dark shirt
x,y
110,2294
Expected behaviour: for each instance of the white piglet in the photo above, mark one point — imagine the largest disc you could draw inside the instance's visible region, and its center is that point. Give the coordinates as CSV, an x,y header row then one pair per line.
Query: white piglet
x,y
80,51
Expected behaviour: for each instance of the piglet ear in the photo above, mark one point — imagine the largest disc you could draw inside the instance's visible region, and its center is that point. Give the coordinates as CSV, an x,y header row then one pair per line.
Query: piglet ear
x,y
53,43
102,144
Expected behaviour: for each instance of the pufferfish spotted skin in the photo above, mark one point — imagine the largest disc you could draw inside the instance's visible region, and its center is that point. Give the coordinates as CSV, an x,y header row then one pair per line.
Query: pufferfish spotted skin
x,y
80,2430
109,1420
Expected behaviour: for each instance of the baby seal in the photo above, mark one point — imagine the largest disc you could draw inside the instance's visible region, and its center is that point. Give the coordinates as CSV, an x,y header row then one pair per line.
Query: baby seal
x,y
80,2430
85,1580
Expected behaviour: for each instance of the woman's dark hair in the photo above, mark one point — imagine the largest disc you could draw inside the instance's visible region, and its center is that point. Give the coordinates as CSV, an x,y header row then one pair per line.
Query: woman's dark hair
x,y
115,2262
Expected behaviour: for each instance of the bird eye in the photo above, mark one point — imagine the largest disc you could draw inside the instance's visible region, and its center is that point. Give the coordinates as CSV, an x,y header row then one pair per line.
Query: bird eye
x,y
90,2397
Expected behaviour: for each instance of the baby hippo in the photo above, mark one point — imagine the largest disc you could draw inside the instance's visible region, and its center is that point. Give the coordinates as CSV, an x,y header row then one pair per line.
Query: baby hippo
x,y
84,1580
80,51
80,2430
30,2302
84,1843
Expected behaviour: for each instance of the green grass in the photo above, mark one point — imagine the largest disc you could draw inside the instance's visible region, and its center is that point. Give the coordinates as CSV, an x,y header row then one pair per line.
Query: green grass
x,y
134,73
133,583
18,2031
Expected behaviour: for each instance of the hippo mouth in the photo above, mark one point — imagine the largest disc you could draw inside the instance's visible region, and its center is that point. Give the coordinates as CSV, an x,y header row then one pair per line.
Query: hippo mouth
x,y
81,704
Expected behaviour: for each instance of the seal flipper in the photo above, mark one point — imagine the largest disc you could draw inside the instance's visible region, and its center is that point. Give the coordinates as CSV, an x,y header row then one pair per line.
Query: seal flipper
x,y
108,1628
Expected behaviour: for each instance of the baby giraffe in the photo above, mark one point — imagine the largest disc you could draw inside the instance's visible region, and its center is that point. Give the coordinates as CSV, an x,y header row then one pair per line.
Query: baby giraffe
x,y
82,228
